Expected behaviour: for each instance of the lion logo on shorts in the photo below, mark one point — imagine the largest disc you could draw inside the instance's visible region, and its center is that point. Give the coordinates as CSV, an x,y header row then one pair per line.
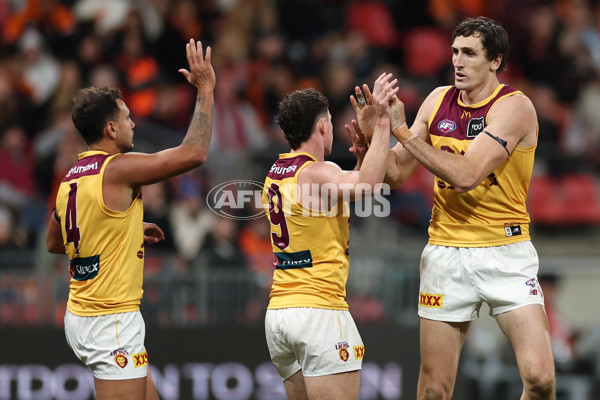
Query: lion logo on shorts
x,y
344,355
121,360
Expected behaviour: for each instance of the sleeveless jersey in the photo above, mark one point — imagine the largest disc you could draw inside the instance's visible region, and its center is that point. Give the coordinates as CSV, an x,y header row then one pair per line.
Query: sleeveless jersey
x,y
494,213
106,247
310,249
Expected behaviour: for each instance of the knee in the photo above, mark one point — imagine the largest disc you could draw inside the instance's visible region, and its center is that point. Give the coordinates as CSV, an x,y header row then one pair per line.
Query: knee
x,y
435,392
540,385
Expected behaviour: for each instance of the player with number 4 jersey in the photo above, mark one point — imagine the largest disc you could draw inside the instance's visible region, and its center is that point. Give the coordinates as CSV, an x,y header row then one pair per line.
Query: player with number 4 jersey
x,y
98,223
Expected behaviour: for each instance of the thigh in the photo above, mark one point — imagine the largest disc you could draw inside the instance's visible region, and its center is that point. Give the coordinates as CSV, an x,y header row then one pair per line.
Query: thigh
x,y
294,387
126,389
441,344
528,331
344,386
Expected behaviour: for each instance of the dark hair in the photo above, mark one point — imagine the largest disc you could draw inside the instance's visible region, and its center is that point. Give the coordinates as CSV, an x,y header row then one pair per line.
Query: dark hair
x,y
298,113
92,109
493,37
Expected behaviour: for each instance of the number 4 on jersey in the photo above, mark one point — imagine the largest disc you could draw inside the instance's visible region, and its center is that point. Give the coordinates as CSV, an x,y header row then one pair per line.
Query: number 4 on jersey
x,y
71,228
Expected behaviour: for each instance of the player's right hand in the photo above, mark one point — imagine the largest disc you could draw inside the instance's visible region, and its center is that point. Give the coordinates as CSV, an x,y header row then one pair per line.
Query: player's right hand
x,y
201,73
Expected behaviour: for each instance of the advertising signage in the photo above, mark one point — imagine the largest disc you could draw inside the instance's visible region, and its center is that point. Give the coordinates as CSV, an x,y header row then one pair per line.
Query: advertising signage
x,y
224,363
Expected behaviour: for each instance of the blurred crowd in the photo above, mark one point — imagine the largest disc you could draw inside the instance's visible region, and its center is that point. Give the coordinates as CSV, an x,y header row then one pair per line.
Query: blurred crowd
x,y
262,50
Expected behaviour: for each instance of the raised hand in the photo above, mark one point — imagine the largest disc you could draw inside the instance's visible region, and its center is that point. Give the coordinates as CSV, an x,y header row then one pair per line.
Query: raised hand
x,y
201,73
384,91
365,110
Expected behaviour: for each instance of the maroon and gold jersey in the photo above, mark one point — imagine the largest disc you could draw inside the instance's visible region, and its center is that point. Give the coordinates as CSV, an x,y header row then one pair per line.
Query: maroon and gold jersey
x,y
494,213
106,247
310,248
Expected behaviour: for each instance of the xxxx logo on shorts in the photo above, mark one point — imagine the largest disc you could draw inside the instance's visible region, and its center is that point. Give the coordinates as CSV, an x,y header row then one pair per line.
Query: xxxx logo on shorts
x,y
120,357
140,359
359,352
431,300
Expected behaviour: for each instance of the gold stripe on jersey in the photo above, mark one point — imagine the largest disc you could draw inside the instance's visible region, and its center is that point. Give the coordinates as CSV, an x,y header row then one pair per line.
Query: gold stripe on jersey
x,y
310,249
105,246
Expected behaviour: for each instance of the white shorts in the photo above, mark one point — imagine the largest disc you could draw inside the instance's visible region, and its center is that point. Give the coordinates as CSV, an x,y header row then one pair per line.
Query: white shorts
x,y
111,345
455,281
317,341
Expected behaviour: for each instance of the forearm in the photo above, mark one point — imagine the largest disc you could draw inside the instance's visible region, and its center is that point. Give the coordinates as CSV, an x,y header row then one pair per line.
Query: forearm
x,y
450,167
199,132
374,164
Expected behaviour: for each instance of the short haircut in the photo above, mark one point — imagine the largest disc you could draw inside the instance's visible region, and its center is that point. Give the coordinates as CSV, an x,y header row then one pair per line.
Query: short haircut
x,y
298,113
493,37
92,109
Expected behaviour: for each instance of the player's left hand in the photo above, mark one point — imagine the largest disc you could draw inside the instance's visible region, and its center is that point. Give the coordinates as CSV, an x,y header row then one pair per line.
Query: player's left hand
x,y
152,233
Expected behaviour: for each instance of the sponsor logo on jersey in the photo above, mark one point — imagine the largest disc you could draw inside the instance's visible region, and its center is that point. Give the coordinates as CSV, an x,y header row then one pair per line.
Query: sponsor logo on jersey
x,y
140,359
342,345
447,126
359,352
475,127
344,354
431,300
85,268
299,259
512,230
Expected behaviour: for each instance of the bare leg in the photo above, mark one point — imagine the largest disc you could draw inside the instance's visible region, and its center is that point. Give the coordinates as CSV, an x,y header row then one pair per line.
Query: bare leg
x,y
441,344
344,386
126,389
294,387
527,329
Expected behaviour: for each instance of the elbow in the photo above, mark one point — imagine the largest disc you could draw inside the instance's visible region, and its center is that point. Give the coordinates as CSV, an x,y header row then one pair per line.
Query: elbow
x,y
466,184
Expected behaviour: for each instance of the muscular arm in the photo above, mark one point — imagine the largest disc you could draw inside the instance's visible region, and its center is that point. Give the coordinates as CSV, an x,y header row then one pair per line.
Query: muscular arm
x,y
511,119
136,169
401,163
54,239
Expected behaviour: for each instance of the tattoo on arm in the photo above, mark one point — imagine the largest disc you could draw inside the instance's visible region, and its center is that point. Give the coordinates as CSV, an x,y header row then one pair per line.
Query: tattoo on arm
x,y
200,127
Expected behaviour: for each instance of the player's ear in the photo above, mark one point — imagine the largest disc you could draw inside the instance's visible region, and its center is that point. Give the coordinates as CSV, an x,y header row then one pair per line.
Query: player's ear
x,y
496,62
111,129
321,125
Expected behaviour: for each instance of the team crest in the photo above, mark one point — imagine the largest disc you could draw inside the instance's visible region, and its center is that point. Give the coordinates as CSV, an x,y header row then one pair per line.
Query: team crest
x,y
447,125
120,357
344,354
121,360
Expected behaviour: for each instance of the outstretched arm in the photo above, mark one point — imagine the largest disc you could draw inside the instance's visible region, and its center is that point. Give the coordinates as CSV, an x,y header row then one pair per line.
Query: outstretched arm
x,y
135,169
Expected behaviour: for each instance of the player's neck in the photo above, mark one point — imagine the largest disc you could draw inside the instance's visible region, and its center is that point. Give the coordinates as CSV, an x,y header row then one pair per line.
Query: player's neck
x,y
479,93
312,147
104,146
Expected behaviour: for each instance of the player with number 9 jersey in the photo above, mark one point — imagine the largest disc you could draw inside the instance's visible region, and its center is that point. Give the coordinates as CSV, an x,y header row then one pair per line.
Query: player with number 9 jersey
x,y
310,247
106,254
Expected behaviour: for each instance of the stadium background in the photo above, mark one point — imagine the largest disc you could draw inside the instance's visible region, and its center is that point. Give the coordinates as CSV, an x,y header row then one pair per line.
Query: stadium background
x,y
206,285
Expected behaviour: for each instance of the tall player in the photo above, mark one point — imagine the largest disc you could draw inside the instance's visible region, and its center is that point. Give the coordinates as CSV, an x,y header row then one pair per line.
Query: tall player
x,y
478,137
312,339
98,224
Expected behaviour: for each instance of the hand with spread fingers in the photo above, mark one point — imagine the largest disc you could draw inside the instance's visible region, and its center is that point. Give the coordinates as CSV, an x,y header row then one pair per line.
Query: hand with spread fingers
x,y
365,110
384,91
360,144
201,73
